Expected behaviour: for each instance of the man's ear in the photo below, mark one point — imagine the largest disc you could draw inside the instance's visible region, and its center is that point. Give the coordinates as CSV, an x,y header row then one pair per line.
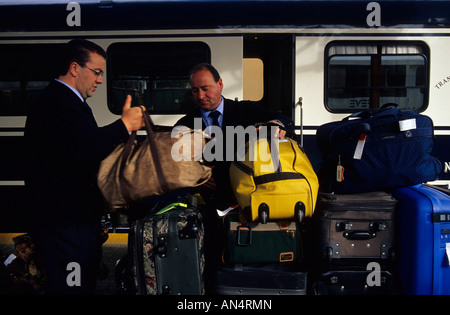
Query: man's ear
x,y
220,82
74,68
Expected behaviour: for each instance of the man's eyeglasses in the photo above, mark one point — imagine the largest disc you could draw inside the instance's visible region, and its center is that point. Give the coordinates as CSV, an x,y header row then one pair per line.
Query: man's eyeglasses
x,y
98,73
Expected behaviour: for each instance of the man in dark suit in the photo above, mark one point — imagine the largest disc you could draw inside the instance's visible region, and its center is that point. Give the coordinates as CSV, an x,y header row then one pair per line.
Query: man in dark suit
x,y
207,85
64,150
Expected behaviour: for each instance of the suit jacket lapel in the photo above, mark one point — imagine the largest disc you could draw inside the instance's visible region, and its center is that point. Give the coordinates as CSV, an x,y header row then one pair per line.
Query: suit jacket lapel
x,y
198,114
228,119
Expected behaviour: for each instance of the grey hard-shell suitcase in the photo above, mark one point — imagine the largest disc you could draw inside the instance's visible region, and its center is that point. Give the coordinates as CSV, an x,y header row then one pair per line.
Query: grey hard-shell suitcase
x,y
353,227
165,251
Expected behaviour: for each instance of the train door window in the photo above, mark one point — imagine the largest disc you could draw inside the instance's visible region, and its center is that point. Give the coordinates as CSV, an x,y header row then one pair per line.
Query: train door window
x,y
26,70
370,75
276,58
253,73
155,74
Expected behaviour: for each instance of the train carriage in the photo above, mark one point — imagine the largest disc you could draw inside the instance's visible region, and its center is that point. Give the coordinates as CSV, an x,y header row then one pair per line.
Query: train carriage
x,y
315,61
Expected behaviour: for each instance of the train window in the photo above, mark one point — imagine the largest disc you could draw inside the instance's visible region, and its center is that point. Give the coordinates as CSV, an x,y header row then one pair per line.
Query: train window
x,y
360,77
155,74
253,74
26,70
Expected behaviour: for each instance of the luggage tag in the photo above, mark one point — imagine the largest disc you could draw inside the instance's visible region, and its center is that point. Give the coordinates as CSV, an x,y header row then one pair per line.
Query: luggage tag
x,y
407,124
360,146
339,172
222,213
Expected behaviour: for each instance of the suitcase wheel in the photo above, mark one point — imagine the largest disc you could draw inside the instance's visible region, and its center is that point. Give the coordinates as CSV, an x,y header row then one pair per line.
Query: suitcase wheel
x,y
300,211
328,254
263,212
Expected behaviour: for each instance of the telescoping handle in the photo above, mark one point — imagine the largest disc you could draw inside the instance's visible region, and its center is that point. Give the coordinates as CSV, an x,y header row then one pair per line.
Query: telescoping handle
x,y
300,104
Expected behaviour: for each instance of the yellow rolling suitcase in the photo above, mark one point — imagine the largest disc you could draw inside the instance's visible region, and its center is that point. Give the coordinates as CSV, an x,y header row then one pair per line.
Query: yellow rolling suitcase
x,y
274,180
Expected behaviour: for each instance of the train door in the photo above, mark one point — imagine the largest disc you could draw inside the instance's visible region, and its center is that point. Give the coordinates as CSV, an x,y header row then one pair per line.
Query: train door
x,y
274,54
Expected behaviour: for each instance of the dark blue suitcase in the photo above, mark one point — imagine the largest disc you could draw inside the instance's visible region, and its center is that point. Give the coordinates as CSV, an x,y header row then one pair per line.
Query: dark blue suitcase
x,y
424,240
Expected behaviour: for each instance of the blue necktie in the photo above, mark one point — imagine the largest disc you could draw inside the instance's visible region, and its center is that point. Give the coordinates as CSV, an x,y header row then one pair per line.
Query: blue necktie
x,y
215,116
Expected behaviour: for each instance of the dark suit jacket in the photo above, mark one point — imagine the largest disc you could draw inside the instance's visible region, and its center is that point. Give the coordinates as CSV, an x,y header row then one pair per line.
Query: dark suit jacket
x,y
236,113
239,113
64,148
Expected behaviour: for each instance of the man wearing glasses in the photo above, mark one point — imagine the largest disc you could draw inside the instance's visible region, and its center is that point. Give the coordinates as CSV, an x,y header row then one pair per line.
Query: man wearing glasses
x,y
64,149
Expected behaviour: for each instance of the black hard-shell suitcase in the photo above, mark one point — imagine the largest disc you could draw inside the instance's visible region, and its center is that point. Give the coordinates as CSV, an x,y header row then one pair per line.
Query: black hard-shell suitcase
x,y
354,228
256,279
165,251
355,282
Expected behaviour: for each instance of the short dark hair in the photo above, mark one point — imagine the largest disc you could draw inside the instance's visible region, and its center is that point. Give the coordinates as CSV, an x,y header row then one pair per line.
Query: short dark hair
x,y
208,67
78,51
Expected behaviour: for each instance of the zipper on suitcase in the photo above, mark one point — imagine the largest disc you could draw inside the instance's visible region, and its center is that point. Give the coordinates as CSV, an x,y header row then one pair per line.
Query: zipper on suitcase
x,y
138,257
160,247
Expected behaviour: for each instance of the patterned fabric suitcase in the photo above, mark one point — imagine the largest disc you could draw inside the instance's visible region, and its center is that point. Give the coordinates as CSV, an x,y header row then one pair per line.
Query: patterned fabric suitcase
x,y
355,227
165,251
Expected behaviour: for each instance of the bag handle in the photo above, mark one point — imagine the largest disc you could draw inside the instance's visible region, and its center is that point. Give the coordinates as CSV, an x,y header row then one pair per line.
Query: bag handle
x,y
275,155
125,154
388,109
149,126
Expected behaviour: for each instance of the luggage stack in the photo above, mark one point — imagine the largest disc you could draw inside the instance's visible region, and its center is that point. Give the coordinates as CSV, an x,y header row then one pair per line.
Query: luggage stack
x,y
372,228
263,259
354,243
363,227
263,247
